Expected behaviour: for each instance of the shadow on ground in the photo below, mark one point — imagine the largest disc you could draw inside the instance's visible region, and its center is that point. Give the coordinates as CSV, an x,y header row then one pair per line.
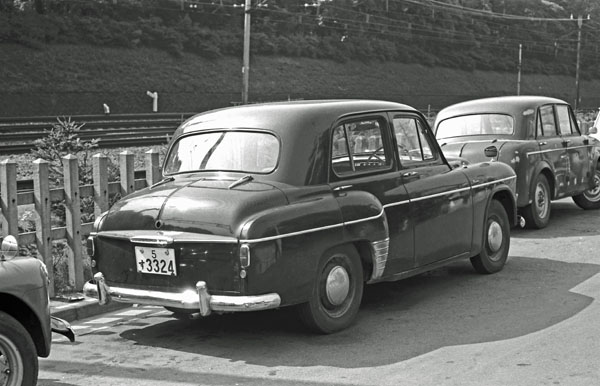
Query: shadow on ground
x,y
566,220
397,321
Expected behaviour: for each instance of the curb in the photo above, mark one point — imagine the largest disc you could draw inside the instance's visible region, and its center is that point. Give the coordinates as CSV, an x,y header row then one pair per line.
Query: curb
x,y
88,307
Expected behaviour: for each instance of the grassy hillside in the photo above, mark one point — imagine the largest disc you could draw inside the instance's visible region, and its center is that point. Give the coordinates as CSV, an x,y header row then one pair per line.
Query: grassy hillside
x,y
70,80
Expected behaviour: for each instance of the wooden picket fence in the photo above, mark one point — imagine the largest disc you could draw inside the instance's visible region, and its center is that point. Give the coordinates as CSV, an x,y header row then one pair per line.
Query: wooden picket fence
x,y
74,232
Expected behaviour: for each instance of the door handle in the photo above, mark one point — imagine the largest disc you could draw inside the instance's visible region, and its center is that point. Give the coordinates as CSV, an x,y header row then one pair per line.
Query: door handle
x,y
410,174
566,142
543,143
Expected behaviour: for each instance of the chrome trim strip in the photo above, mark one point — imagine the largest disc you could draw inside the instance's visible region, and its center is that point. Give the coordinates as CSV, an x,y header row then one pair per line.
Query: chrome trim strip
x,y
395,204
483,141
365,219
312,230
440,194
270,238
558,149
190,299
161,241
176,236
493,182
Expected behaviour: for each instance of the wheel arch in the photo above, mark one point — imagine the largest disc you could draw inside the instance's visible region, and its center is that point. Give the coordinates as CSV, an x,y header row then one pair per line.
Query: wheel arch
x,y
544,169
507,199
28,318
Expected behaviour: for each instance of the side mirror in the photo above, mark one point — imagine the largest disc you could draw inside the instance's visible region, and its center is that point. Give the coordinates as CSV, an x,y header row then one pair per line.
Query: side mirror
x,y
9,248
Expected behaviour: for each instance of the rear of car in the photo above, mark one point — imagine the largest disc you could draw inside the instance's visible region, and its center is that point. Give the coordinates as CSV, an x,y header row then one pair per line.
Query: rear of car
x,y
538,137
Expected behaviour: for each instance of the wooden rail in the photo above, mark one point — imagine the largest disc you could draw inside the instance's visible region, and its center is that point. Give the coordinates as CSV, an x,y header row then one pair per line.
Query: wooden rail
x,y
42,197
17,135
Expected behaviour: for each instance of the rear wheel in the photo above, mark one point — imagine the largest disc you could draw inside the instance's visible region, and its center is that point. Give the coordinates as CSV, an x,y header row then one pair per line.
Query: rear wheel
x,y
590,199
537,214
337,291
496,241
18,356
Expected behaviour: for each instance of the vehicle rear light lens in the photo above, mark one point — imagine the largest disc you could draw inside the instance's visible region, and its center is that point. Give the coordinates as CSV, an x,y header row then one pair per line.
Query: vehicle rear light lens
x,y
244,255
91,248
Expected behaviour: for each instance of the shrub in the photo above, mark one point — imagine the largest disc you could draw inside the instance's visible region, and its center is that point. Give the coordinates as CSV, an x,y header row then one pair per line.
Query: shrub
x,y
63,139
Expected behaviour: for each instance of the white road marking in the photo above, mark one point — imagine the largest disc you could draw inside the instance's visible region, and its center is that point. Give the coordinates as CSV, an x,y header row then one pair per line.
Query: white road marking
x,y
103,320
133,312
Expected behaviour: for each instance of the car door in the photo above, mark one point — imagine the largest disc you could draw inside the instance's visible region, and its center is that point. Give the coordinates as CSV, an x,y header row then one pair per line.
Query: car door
x,y
551,149
440,198
577,147
362,160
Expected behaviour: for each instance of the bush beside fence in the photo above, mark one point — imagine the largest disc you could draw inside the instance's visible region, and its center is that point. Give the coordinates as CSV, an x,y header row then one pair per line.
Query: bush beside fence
x,y
42,197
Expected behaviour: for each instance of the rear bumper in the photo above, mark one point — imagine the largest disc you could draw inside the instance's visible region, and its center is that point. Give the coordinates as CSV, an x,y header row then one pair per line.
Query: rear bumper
x,y
198,299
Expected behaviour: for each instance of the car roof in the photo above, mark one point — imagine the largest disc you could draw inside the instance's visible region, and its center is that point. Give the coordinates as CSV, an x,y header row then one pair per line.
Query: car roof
x,y
275,115
302,126
513,105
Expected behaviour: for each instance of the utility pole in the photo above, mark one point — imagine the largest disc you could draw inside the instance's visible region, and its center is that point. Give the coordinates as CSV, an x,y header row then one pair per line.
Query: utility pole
x,y
579,23
519,73
246,58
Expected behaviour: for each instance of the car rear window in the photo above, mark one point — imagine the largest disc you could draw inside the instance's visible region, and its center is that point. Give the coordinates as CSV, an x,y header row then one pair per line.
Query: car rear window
x,y
240,151
476,124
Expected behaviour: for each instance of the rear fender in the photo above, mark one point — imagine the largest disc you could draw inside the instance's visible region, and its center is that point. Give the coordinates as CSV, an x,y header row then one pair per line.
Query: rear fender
x,y
285,246
541,168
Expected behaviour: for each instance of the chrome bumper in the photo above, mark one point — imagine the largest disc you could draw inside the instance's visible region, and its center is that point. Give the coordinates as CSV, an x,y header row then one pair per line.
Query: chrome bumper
x,y
198,299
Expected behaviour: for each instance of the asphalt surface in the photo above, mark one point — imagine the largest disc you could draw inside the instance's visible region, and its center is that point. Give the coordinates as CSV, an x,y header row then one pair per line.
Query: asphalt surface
x,y
534,323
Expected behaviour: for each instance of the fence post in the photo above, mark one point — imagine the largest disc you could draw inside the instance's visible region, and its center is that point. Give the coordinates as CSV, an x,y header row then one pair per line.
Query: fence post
x,y
100,175
73,217
126,169
153,174
8,198
43,229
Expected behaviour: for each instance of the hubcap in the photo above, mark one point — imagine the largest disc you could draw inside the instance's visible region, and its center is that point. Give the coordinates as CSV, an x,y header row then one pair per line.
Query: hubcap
x,y
338,285
494,236
593,194
11,363
541,201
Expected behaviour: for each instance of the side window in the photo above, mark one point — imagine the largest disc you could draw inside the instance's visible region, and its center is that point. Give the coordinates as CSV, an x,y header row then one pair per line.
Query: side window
x,y
412,140
546,125
357,146
564,120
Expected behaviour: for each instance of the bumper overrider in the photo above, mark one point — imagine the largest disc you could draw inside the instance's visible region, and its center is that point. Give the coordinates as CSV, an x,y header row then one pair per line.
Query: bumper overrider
x,y
198,299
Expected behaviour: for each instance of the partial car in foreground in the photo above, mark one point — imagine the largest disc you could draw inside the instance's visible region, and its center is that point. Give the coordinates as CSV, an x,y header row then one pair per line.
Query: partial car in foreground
x,y
538,137
25,321
299,203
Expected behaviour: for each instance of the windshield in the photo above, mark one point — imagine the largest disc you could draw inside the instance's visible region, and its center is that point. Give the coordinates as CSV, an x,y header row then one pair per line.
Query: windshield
x,y
240,151
476,124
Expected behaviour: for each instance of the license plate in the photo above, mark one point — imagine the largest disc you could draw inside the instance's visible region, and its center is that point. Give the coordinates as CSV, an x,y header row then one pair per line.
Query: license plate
x,y
160,261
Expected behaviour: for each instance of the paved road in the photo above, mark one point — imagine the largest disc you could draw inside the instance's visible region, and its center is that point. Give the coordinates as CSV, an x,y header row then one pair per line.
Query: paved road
x,y
535,323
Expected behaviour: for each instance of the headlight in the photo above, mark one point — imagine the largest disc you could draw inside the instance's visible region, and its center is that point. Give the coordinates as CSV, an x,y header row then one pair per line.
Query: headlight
x,y
9,248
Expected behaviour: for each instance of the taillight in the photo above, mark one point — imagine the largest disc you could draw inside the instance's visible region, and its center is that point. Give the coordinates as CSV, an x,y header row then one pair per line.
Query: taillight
x,y
91,248
244,255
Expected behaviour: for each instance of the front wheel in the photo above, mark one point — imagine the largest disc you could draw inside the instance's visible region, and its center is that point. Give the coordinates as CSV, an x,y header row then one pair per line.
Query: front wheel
x,y
337,291
496,241
590,199
18,356
537,214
